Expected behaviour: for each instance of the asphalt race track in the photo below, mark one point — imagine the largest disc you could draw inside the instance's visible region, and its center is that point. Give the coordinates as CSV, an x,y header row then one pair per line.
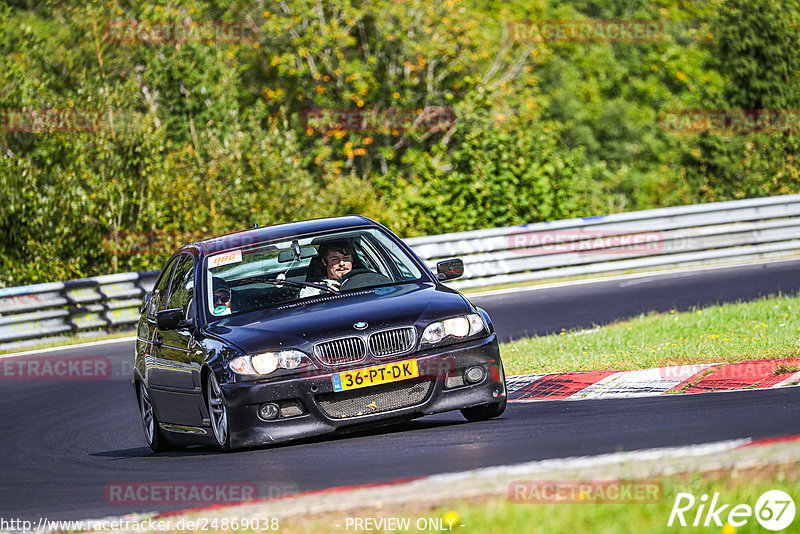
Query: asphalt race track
x,y
544,311
65,442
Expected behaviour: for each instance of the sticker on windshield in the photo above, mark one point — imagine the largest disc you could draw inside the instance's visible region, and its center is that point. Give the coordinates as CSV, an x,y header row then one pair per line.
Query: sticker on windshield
x,y
224,259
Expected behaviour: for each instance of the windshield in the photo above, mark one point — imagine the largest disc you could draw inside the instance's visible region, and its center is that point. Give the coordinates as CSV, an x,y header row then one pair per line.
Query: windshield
x,y
279,272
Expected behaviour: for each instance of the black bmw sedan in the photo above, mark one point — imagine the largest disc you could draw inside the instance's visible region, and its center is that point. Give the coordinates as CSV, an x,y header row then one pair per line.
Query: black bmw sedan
x,y
306,328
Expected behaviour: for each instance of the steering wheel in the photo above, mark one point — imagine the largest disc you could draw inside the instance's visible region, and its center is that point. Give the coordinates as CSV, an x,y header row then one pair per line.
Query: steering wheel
x,y
361,278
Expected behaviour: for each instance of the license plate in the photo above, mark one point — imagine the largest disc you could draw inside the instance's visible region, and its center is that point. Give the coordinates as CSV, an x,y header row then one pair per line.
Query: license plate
x,y
361,378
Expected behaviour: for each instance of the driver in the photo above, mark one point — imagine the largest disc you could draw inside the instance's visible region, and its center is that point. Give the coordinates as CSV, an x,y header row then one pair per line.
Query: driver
x,y
222,301
337,258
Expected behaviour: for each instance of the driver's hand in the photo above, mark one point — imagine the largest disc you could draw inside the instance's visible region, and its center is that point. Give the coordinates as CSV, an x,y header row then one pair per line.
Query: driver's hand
x,y
333,284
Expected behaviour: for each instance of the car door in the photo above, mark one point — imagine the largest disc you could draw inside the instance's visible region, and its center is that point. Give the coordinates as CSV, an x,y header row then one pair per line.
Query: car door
x,y
148,330
179,358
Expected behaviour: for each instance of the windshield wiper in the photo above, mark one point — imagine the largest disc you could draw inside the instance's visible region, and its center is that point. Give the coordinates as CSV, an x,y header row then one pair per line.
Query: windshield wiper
x,y
279,282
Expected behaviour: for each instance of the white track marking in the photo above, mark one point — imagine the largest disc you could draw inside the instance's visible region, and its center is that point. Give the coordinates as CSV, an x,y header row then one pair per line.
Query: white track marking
x,y
794,379
65,347
638,383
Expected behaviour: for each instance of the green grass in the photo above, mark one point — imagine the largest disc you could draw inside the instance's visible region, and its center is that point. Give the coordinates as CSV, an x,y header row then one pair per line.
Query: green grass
x,y
506,516
500,515
762,329
784,368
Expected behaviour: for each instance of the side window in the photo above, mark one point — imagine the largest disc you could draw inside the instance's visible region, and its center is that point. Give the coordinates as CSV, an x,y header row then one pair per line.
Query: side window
x,y
160,290
182,288
372,257
407,270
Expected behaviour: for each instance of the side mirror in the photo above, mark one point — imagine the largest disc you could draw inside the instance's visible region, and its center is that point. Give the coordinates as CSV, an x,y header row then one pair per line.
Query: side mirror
x,y
449,269
170,319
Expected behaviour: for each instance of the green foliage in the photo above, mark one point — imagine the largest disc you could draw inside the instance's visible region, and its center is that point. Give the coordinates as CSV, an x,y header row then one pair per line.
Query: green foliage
x,y
757,48
202,137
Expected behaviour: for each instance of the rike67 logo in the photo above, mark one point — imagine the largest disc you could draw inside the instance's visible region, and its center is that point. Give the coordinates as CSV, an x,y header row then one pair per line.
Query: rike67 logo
x,y
774,510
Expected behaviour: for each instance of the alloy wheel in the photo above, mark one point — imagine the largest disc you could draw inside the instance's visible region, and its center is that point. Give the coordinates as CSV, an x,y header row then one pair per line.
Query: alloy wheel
x,y
146,410
217,411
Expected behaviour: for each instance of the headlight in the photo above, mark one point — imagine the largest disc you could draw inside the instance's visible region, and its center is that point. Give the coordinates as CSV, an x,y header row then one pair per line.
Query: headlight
x,y
266,362
290,359
241,366
476,323
434,333
457,327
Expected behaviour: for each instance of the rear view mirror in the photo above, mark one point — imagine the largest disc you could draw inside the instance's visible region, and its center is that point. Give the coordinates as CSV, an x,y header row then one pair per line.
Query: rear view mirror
x,y
285,256
307,252
449,269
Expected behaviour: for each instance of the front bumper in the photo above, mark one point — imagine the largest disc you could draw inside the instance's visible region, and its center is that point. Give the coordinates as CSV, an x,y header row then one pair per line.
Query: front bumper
x,y
243,399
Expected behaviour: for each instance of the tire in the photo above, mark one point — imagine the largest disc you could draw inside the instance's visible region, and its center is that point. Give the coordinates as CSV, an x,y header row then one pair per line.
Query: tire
x,y
487,411
152,430
217,413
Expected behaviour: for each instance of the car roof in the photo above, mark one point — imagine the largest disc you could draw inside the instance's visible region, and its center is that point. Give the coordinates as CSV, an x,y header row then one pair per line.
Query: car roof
x,y
278,231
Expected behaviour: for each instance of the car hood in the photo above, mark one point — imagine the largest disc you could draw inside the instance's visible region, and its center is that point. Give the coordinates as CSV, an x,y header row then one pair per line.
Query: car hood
x,y
331,316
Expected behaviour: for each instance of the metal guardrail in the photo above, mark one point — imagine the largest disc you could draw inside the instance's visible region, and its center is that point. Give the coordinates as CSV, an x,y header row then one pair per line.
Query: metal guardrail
x,y
63,309
665,237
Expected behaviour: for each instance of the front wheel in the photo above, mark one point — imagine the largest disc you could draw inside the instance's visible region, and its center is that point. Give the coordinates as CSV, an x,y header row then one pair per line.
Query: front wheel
x,y
487,411
217,413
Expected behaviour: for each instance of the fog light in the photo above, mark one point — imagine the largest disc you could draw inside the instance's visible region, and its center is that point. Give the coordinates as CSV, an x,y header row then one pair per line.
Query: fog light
x,y
269,411
475,374
453,381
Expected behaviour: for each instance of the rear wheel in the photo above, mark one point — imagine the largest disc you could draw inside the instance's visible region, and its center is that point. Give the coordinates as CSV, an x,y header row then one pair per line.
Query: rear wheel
x,y
152,431
487,411
217,413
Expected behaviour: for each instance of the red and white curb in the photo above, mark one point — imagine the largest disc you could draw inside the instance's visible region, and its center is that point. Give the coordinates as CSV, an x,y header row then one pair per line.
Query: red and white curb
x,y
699,378
579,385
